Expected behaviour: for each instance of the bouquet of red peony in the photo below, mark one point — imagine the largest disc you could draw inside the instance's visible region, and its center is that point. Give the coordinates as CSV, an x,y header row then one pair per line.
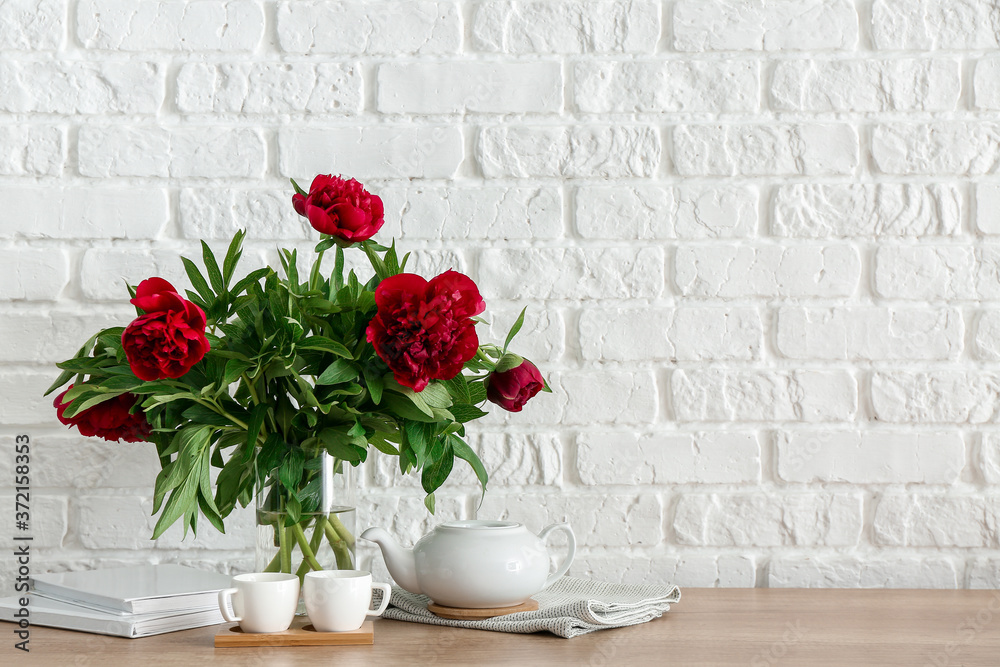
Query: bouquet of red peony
x,y
279,381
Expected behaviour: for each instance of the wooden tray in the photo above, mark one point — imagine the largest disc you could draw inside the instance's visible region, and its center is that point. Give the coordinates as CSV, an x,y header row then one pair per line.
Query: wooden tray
x,y
301,633
463,614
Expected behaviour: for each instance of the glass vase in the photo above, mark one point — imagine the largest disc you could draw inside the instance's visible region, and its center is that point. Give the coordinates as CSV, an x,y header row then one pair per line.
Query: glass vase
x,y
313,529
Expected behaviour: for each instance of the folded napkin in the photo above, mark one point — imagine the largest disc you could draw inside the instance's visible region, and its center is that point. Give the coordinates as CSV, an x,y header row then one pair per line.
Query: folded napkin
x,y
567,608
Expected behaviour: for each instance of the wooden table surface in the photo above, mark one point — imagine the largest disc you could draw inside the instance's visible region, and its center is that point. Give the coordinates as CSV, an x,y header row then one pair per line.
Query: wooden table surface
x,y
717,627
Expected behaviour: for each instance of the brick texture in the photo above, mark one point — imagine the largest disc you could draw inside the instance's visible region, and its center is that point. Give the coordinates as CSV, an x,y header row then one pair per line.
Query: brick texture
x,y
757,244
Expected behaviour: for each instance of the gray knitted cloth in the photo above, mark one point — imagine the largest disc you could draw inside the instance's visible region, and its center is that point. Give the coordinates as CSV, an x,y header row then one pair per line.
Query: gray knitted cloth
x,y
567,608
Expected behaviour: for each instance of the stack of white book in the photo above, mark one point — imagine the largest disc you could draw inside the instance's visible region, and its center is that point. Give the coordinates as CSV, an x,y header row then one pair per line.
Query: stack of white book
x,y
126,602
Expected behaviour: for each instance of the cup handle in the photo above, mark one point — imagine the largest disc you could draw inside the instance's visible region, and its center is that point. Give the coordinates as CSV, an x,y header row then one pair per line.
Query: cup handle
x,y
561,570
386,594
225,601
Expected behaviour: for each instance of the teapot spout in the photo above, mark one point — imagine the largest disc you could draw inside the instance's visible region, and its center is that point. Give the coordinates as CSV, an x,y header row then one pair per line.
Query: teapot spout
x,y
399,561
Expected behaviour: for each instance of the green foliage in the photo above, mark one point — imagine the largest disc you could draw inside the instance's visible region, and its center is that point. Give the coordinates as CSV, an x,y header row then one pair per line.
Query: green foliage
x,y
290,374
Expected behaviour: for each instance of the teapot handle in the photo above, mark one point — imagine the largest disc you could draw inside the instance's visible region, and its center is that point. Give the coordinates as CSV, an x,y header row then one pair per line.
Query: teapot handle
x,y
561,570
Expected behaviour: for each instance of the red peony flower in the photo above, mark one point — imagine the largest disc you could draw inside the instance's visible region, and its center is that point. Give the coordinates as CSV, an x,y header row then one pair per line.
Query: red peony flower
x,y
110,420
341,208
512,388
170,338
423,330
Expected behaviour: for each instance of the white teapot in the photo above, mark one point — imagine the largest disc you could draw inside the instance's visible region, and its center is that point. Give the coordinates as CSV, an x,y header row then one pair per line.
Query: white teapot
x,y
474,564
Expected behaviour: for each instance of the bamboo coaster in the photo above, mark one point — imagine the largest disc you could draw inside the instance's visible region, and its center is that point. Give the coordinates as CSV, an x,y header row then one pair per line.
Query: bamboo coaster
x,y
462,614
301,633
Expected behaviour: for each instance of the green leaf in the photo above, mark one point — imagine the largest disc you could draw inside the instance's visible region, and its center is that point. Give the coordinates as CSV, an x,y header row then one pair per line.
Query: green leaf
x,y
254,425
290,262
217,460
391,260
205,482
314,304
120,383
121,369
466,413
325,344
197,280
233,256
83,365
79,406
111,336
458,387
375,383
234,369
338,269
192,440
415,398
212,266
251,278
381,270
306,420
196,299
77,391
208,510
293,325
181,502
160,388
82,352
466,453
514,329
507,362
340,444
228,483
433,398
63,378
434,475
294,509
168,479
298,190
290,472
442,415
477,390
339,371
160,399
271,453
384,446
325,245
435,395
202,415
418,439
429,502
394,403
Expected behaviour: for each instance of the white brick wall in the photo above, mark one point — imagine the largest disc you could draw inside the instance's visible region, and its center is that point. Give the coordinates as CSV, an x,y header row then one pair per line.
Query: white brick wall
x,y
757,240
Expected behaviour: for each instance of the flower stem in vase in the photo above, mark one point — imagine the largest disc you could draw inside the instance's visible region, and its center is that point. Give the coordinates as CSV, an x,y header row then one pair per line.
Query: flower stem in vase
x,y
314,544
341,530
307,554
340,547
284,548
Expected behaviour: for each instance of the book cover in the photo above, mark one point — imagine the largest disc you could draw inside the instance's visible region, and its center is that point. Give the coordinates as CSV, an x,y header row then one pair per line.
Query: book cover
x,y
135,590
67,616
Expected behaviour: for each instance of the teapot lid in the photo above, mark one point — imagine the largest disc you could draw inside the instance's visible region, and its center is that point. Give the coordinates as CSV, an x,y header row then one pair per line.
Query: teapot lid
x,y
480,524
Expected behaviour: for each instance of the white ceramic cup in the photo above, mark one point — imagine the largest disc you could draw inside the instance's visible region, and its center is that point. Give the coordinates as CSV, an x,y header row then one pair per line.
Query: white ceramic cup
x,y
262,601
339,600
